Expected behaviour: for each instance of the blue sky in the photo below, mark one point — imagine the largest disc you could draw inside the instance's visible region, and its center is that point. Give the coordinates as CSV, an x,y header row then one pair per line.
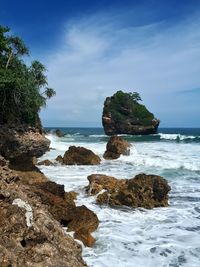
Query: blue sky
x,y
94,48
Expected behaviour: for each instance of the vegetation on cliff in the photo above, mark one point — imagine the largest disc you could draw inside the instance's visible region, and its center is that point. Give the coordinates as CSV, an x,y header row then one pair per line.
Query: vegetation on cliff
x,y
123,113
23,88
123,105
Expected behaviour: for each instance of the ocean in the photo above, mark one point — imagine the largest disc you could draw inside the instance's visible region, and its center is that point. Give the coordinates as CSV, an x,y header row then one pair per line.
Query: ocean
x,y
129,237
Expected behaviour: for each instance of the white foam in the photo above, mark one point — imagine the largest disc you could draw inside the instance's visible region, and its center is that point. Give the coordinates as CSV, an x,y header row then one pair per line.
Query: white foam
x,y
127,237
176,136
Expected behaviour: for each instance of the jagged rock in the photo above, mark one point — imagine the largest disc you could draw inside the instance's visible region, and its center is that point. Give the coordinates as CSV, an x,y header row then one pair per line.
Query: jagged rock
x,y
115,147
80,156
62,207
146,191
59,159
122,114
85,236
45,162
59,133
40,241
19,144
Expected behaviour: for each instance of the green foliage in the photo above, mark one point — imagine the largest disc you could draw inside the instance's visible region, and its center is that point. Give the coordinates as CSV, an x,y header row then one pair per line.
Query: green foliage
x,y
23,89
125,106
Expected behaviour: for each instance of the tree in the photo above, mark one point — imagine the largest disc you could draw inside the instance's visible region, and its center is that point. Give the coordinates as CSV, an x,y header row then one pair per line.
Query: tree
x,y
16,47
135,96
23,89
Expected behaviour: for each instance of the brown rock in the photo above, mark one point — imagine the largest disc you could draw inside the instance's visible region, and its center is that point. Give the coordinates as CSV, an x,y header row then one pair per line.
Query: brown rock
x,y
98,182
59,159
122,114
45,162
83,217
146,191
80,156
19,144
115,147
85,236
62,207
39,241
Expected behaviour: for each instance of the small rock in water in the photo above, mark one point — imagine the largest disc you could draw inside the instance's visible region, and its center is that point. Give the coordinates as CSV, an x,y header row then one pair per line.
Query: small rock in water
x,y
115,147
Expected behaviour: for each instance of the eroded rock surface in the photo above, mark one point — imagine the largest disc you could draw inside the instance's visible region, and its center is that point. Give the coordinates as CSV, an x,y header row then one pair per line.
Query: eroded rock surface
x,y
115,147
148,191
79,156
45,162
19,144
30,236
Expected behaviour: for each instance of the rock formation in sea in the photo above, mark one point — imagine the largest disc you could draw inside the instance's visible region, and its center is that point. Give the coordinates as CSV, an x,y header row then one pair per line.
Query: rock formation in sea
x,y
147,191
122,114
45,162
115,147
79,156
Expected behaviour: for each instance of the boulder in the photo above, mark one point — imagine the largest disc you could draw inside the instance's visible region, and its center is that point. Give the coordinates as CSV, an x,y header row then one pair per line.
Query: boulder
x,y
80,156
59,133
122,114
59,159
115,147
19,144
147,191
45,162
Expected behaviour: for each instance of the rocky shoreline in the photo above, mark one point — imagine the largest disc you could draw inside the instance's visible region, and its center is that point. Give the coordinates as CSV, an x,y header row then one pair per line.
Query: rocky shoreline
x,y
34,210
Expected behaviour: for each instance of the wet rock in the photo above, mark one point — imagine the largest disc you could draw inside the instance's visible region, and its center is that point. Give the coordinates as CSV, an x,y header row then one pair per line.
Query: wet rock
x,y
59,133
80,156
98,182
45,162
83,218
62,207
59,159
148,191
84,222
115,147
85,236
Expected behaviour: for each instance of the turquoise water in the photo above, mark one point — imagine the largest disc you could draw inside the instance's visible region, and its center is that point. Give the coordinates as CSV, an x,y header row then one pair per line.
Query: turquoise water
x,y
138,237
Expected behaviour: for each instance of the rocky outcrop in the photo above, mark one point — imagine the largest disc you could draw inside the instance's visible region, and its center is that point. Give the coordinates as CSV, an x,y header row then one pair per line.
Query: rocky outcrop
x,y
30,236
79,156
59,158
59,133
19,144
122,114
45,162
115,147
62,207
147,191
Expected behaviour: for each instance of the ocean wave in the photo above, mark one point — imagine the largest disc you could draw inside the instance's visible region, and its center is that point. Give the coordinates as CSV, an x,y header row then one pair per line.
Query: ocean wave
x,y
178,137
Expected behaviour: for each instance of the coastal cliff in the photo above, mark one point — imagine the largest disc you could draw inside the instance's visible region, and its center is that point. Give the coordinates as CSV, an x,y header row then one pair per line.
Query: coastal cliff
x,y
33,210
122,114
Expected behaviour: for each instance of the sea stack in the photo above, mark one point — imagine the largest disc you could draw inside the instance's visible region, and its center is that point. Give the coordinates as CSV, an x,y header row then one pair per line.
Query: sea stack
x,y
122,114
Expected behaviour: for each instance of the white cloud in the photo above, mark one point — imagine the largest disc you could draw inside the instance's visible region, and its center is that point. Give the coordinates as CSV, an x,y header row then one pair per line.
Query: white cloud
x,y
98,56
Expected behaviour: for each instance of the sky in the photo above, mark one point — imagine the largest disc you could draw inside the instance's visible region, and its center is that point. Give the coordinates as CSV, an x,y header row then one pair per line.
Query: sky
x,y
93,48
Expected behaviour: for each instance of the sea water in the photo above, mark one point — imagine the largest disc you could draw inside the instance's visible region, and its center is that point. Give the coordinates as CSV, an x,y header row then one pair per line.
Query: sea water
x,y
129,237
